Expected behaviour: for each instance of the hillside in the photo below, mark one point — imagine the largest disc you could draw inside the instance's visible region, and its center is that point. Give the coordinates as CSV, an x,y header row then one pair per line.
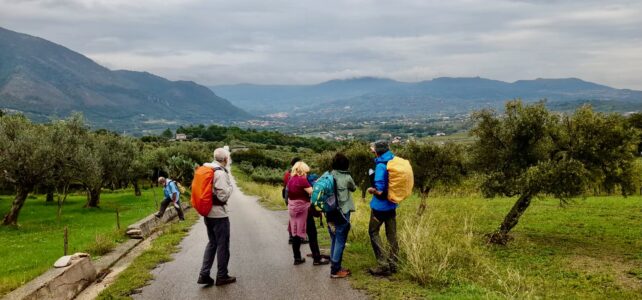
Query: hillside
x,y
44,79
379,97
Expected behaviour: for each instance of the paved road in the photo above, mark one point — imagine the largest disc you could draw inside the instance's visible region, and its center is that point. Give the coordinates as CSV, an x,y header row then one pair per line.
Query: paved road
x,y
261,259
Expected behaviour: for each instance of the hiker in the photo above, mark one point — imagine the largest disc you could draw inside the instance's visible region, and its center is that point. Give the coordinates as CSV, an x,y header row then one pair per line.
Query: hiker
x,y
284,191
172,195
339,220
218,223
301,214
383,212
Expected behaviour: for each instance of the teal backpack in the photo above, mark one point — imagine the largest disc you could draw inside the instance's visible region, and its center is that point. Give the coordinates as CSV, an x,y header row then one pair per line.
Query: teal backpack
x,y
324,193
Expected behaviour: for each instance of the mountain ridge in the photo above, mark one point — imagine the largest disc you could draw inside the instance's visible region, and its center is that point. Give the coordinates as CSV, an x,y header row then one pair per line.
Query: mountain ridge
x,y
43,79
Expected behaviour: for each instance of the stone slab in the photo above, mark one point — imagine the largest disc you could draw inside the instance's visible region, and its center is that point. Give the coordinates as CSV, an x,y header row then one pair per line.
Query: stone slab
x,y
149,224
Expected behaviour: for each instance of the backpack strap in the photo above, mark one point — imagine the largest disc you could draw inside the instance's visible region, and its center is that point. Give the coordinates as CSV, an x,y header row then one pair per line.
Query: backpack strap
x,y
215,200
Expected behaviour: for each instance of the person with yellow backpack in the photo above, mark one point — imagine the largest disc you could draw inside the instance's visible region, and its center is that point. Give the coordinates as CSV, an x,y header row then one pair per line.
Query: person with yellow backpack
x,y
392,183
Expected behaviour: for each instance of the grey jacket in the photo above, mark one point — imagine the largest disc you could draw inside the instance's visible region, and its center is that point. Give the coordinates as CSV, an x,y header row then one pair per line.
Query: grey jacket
x,y
222,189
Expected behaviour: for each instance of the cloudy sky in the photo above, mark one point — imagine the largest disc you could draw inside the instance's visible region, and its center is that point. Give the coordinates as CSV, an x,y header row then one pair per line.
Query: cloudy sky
x,y
299,41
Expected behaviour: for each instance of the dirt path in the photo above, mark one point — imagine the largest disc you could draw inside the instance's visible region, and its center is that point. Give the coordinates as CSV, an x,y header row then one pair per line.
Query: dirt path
x,y
260,258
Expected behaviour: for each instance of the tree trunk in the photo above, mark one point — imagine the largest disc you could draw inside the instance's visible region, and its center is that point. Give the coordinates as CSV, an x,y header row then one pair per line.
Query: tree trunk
x,y
136,188
21,196
363,194
50,196
423,205
94,197
501,235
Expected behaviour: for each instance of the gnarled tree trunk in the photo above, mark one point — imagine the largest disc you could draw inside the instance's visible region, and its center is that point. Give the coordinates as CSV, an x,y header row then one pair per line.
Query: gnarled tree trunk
x,y
136,188
423,205
501,235
93,195
11,218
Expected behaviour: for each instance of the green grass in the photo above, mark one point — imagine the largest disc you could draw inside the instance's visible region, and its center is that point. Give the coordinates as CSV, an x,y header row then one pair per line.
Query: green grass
x,y
31,248
269,195
589,249
138,273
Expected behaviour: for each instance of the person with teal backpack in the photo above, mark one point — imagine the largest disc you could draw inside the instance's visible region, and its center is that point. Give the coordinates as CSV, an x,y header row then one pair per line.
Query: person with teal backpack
x,y
334,197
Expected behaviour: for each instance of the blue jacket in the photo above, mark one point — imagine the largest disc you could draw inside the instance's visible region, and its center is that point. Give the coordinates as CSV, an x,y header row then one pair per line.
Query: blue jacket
x,y
381,203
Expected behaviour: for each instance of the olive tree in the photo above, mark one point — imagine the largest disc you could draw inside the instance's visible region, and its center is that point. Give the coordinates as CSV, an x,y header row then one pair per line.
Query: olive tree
x,y
361,160
25,159
111,156
529,151
434,164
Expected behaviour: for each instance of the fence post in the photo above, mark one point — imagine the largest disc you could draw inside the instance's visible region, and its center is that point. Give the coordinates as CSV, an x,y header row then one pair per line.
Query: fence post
x,y
117,219
66,239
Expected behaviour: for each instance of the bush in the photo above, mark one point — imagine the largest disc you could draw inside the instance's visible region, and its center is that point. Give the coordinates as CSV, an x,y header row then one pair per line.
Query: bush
x,y
257,158
102,245
267,175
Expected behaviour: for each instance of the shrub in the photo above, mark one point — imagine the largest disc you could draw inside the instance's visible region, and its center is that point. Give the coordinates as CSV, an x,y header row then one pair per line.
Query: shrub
x,y
267,175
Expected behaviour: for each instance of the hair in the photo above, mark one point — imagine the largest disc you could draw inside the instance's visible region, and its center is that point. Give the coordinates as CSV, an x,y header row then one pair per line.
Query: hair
x,y
340,162
300,168
294,161
160,179
220,155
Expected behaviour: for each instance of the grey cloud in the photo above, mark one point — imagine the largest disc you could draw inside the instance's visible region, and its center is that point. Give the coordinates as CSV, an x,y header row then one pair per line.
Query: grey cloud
x,y
282,41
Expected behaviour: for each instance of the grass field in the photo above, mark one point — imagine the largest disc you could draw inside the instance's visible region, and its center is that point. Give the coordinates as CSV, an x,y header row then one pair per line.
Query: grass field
x,y
589,249
33,247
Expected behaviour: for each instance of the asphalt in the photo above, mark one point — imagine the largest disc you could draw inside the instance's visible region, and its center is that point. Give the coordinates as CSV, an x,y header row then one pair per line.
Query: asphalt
x,y
261,259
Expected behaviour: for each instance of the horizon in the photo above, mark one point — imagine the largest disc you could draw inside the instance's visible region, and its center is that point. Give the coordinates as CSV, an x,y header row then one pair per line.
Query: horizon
x,y
219,43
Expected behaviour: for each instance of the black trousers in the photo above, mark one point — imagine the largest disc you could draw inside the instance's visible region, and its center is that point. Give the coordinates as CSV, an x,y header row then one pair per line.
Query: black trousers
x,y
218,233
311,230
165,203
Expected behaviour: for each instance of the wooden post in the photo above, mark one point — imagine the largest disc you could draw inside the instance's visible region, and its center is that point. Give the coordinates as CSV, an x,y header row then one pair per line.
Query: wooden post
x,y
66,239
117,219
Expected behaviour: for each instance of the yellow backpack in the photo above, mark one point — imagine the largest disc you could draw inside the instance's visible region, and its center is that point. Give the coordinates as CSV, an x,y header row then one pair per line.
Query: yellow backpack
x,y
400,179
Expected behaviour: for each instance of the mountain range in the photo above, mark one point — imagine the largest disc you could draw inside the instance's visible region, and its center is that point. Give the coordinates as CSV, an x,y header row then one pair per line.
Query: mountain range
x,y
383,98
42,79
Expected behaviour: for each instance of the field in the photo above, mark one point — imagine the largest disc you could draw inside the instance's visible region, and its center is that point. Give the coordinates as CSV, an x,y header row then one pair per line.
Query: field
x,y
588,249
37,243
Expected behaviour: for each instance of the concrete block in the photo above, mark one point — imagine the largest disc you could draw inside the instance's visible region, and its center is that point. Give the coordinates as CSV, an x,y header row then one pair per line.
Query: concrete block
x,y
59,283
148,225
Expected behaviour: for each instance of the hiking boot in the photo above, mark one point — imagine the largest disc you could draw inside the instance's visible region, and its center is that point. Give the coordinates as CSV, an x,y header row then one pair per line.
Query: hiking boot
x,y
299,261
321,262
341,274
206,280
157,216
225,280
380,271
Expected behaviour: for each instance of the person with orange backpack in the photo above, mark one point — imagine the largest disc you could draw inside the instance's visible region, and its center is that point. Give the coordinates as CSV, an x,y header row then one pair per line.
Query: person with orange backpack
x,y
211,190
393,182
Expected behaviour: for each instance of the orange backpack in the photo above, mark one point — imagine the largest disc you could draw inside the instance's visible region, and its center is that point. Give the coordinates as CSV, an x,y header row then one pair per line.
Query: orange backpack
x,y
202,196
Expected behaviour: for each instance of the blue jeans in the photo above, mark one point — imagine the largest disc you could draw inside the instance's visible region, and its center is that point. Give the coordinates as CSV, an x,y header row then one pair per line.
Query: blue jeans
x,y
339,236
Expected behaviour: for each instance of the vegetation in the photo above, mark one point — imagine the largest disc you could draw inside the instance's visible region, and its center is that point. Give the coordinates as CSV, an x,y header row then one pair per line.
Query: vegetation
x,y
588,249
218,133
33,247
530,151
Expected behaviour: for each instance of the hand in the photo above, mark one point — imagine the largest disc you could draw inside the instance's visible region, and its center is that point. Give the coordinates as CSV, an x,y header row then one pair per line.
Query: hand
x,y
372,191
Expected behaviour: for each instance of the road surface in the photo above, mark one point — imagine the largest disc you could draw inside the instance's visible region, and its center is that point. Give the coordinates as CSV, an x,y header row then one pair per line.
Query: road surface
x,y
261,259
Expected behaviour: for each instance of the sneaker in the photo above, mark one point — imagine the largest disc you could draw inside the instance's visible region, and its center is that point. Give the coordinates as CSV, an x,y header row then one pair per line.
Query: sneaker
x,y
225,280
299,261
380,271
341,274
321,262
206,280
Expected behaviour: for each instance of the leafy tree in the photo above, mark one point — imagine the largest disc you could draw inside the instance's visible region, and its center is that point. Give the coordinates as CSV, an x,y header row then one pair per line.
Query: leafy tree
x,y
635,121
529,151
25,159
112,156
361,160
433,165
167,134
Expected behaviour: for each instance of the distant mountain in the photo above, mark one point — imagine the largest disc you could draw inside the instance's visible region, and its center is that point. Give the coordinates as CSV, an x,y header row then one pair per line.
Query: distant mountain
x,y
380,97
43,79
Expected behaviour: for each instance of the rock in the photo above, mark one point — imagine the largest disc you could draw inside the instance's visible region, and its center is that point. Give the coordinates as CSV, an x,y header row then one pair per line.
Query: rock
x,y
80,255
63,261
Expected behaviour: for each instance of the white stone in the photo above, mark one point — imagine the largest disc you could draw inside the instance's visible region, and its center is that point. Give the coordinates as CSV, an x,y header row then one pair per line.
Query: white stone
x,y
63,261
